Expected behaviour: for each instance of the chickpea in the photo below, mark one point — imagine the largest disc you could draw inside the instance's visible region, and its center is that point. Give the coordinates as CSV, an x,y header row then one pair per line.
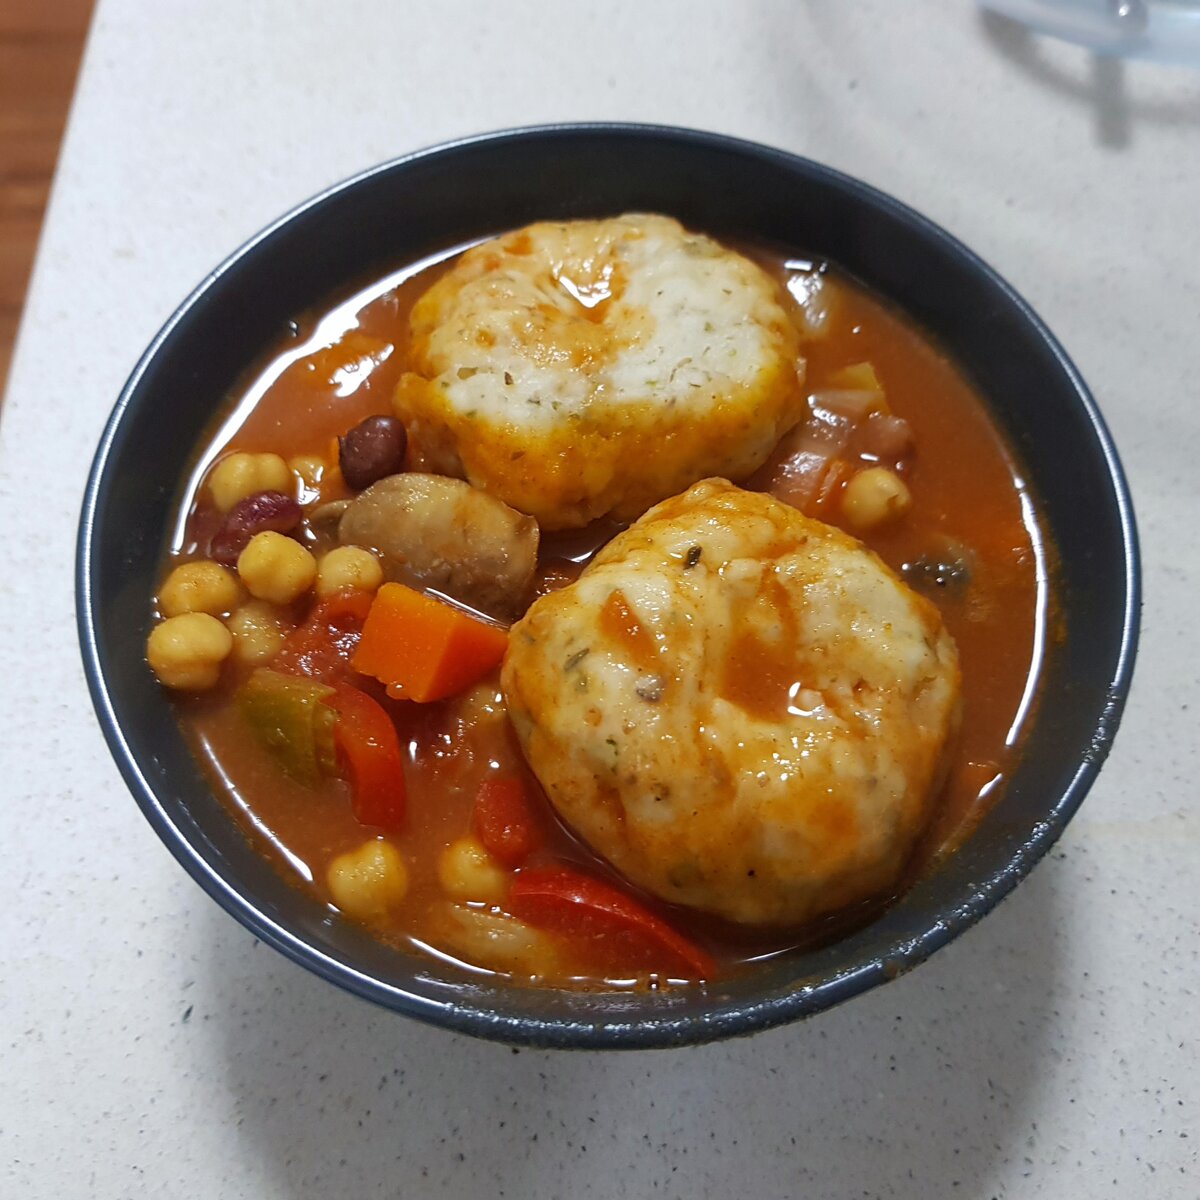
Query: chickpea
x,y
274,567
367,882
468,872
259,632
347,568
309,469
240,475
186,652
874,497
203,586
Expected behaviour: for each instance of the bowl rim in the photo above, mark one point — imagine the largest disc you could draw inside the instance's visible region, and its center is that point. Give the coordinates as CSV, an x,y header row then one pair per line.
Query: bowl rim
x,y
721,1019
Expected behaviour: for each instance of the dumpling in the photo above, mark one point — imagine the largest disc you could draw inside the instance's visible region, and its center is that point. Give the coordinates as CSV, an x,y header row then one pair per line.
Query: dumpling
x,y
591,368
743,709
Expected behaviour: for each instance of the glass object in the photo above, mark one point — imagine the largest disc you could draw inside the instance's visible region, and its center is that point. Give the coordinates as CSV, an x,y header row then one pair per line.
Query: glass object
x,y
1163,30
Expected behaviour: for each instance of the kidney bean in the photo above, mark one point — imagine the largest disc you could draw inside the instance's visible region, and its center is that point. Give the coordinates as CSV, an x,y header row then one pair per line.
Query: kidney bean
x,y
372,450
255,514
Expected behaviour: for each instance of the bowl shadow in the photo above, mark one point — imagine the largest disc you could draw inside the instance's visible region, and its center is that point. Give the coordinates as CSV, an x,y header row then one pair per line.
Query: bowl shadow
x,y
904,1092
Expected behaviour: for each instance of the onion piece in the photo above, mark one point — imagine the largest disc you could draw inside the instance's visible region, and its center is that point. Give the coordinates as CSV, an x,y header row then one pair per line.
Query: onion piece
x,y
859,377
496,941
853,403
802,458
798,480
814,298
884,438
826,430
811,463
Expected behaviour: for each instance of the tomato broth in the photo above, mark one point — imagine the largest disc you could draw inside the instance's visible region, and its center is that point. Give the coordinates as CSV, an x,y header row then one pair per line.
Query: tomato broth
x,y
969,506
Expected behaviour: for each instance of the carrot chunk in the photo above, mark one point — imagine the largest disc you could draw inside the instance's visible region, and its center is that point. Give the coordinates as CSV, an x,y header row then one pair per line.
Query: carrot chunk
x,y
424,649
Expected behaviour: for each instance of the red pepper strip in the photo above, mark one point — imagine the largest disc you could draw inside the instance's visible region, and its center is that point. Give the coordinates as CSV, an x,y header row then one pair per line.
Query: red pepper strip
x,y
504,820
369,749
322,647
627,936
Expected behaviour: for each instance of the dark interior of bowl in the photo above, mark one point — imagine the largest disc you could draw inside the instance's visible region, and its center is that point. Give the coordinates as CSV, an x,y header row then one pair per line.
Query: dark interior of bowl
x,y
404,211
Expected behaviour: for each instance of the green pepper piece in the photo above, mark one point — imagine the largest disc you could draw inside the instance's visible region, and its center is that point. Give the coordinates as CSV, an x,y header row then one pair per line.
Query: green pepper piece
x,y
290,717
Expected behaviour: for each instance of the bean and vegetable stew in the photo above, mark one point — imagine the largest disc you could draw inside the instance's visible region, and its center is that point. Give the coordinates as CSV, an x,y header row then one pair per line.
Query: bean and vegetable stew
x,y
605,606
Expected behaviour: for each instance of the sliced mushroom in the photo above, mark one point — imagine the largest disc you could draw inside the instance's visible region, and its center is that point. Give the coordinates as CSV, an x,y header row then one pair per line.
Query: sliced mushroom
x,y
434,532
328,514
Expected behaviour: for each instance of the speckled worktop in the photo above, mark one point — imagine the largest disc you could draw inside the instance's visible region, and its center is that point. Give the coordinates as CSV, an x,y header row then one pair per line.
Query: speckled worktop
x,y
152,1048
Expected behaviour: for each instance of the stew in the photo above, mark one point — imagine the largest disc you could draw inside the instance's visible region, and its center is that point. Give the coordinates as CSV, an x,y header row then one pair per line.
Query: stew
x,y
352,571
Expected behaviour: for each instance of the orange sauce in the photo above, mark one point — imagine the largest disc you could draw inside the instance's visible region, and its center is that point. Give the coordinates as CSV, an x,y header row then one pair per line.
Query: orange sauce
x,y
618,623
343,365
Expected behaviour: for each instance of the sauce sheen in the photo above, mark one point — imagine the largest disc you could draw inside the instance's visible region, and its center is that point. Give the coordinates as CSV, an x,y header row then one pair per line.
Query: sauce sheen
x,y
967,499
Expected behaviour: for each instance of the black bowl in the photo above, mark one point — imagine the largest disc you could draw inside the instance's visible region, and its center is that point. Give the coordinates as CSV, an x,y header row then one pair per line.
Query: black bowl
x,y
404,210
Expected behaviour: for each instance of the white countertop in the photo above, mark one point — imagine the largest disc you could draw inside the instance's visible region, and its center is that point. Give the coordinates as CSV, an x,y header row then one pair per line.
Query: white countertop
x,y
152,1048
